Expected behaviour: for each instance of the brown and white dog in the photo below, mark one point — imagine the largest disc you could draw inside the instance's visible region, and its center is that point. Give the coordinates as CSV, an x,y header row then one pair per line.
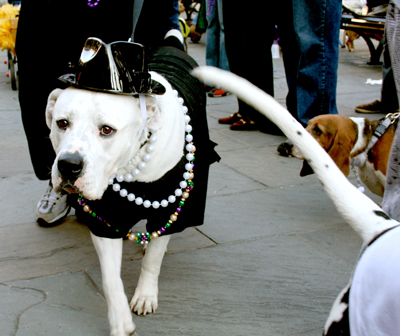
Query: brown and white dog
x,y
346,139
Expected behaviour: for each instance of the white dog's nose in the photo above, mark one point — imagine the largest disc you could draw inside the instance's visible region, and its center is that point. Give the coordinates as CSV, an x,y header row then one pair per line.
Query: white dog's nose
x,y
70,165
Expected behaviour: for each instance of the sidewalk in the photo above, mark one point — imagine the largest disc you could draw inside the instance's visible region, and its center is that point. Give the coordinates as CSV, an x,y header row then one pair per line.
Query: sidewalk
x,y
269,260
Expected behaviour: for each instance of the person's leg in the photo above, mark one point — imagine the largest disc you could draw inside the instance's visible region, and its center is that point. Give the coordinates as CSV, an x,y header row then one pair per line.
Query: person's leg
x,y
317,27
249,56
34,87
391,197
223,58
212,34
389,98
310,36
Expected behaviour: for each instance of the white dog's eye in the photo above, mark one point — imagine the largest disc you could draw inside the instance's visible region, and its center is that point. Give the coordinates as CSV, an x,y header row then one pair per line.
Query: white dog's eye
x,y
63,124
106,130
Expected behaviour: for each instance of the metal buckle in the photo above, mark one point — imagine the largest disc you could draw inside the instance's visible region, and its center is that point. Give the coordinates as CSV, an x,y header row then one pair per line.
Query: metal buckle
x,y
393,116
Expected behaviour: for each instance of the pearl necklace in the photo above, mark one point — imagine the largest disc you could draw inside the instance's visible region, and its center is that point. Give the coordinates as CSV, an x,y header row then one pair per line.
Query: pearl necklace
x,y
188,175
187,184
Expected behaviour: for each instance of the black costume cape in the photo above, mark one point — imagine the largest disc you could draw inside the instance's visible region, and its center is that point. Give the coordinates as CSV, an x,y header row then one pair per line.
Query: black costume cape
x,y
122,214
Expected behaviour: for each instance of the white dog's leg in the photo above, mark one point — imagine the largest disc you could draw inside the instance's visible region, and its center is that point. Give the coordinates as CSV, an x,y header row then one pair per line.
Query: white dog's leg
x,y
145,299
119,314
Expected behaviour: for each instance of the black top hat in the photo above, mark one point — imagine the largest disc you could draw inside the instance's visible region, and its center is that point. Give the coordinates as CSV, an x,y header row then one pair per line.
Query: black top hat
x,y
118,67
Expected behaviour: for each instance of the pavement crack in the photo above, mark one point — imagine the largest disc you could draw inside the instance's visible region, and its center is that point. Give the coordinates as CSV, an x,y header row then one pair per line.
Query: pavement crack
x,y
18,316
38,256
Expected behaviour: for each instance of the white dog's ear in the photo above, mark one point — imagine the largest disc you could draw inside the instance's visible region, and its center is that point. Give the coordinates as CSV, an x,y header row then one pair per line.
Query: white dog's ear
x,y
51,101
154,117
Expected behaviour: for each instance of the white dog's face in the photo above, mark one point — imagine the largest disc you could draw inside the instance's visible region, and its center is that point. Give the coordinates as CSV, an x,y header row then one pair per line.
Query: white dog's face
x,y
93,134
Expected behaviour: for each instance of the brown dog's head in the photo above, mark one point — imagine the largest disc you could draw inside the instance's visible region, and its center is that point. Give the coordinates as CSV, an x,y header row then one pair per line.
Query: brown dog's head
x,y
337,135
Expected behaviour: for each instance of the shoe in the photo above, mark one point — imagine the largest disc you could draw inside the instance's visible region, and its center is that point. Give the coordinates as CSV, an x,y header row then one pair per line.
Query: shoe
x,y
51,208
374,107
285,148
218,92
231,119
244,125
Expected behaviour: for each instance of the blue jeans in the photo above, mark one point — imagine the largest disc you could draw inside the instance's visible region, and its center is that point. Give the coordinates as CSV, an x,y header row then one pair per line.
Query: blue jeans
x,y
309,37
215,45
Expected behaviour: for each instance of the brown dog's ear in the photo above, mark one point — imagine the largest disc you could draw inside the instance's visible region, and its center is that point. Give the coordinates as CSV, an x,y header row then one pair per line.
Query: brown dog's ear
x,y
340,151
306,169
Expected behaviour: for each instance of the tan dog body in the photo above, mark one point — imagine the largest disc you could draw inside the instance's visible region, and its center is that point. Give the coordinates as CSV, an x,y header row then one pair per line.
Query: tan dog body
x,y
345,139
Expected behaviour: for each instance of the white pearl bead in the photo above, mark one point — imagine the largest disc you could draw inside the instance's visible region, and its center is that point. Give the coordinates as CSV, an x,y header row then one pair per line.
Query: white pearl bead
x,y
153,139
110,181
131,197
128,177
147,204
183,184
187,119
123,192
173,218
164,203
113,176
154,235
188,166
171,199
86,208
156,205
131,237
120,178
188,128
139,200
185,194
186,175
178,192
189,138
150,148
189,147
142,165
191,175
189,156
146,157
116,187
180,100
175,92
135,172
185,109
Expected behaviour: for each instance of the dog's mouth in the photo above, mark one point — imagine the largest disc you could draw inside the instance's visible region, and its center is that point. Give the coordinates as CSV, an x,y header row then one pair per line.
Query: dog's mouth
x,y
68,187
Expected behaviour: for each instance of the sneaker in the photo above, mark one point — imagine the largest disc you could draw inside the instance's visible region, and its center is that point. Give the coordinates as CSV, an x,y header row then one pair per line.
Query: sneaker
x,y
51,208
374,107
285,148
218,92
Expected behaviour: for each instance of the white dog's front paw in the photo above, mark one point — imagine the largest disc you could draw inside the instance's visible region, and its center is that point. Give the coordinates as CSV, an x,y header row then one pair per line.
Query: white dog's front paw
x,y
122,326
144,301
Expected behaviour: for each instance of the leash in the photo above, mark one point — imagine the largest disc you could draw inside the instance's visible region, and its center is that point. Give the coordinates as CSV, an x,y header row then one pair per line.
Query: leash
x,y
382,128
361,158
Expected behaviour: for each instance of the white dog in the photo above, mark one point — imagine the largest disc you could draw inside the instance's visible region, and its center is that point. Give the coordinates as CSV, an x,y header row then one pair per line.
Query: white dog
x,y
374,296
135,133
98,131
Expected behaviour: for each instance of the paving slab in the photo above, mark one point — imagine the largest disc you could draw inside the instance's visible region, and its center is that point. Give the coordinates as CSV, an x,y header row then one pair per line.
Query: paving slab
x,y
269,260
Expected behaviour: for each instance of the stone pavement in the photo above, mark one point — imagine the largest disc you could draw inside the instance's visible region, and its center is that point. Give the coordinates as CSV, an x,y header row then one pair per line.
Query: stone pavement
x,y
269,260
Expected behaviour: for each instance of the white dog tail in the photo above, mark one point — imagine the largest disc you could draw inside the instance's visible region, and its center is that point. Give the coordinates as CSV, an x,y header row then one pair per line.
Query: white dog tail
x,y
366,218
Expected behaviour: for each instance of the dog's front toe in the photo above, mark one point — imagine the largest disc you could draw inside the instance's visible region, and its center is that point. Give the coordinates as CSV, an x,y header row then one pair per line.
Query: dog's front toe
x,y
144,304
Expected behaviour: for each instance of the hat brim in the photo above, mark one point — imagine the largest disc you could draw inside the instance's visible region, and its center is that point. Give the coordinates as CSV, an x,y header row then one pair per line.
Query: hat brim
x,y
156,88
